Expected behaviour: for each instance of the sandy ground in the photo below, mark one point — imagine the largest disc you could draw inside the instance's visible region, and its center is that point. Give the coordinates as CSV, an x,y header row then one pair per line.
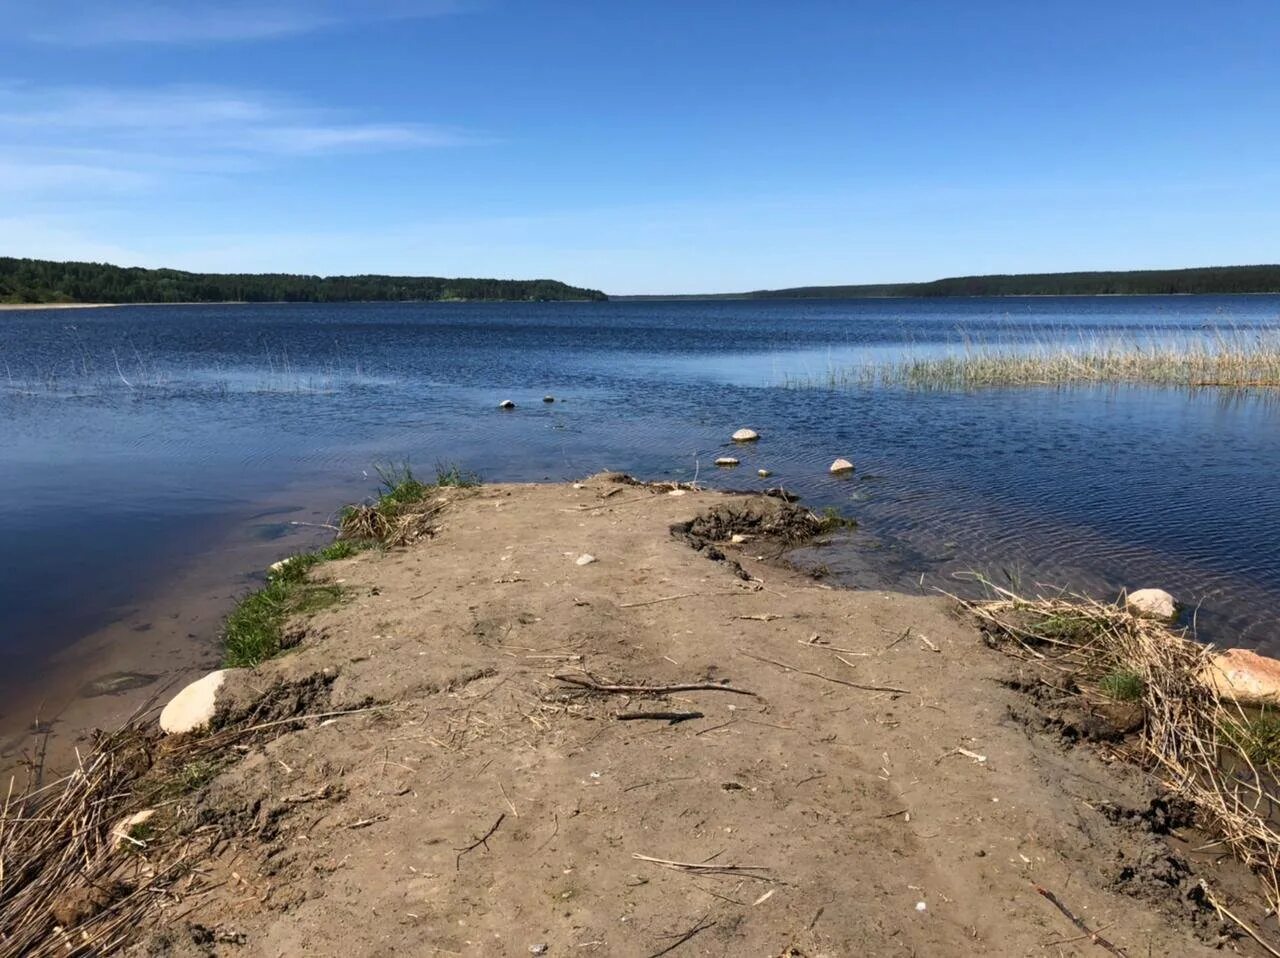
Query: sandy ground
x,y
881,791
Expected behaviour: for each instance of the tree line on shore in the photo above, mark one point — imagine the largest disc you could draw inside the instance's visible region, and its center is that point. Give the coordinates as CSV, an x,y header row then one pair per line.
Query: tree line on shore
x,y
45,281
1141,282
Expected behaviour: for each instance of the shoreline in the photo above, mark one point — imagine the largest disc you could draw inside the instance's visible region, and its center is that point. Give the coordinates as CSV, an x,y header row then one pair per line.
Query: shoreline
x,y
819,726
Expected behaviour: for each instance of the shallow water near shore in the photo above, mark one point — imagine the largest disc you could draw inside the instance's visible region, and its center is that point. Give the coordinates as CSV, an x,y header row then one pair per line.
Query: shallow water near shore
x,y
142,445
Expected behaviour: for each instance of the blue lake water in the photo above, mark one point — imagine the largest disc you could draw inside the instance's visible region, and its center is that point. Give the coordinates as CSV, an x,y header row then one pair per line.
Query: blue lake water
x,y
136,440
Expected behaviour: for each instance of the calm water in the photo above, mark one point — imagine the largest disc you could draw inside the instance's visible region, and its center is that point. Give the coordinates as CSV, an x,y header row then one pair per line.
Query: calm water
x,y
136,439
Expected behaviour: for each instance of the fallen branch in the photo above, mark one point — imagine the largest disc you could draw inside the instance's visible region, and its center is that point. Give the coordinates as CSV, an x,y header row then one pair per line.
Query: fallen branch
x,y
1093,936
670,717
591,683
827,678
482,840
1224,912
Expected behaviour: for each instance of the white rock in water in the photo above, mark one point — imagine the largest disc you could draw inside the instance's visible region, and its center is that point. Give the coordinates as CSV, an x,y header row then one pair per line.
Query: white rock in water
x,y
1153,604
746,435
194,706
277,566
763,473
726,461
548,398
506,404
841,465
585,559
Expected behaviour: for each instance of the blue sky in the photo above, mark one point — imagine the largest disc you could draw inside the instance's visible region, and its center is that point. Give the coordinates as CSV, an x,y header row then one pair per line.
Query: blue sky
x,y
650,146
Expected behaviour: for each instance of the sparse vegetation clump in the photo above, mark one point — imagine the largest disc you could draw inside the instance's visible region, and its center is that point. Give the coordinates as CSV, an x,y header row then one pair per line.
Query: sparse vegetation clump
x,y
404,509
1121,684
1257,737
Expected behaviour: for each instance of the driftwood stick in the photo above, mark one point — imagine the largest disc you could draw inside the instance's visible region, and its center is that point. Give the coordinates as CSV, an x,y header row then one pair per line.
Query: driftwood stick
x,y
482,840
827,678
683,595
698,866
671,717
1093,936
590,683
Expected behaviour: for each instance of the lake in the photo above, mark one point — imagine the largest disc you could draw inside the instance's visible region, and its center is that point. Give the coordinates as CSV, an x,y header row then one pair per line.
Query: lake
x,y
152,451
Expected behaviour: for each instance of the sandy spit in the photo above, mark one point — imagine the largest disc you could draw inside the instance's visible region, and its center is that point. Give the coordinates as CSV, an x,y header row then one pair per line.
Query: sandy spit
x,y
879,791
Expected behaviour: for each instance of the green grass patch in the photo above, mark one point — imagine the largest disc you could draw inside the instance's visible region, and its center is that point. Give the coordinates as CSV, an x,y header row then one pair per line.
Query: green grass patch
x,y
1257,738
252,631
451,475
1123,685
831,519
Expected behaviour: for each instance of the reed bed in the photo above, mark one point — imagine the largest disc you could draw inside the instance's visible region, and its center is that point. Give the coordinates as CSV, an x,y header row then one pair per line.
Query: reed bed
x,y
72,882
1196,741
1224,360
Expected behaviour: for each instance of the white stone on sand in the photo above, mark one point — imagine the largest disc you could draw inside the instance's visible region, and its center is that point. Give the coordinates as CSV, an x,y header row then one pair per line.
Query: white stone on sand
x,y
193,707
585,559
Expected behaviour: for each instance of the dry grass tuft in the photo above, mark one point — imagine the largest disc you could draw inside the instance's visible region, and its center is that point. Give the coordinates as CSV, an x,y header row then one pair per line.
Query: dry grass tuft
x,y
68,884
1190,736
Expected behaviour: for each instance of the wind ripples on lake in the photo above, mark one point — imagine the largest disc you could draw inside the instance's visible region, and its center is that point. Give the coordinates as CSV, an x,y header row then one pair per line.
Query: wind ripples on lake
x,y
134,437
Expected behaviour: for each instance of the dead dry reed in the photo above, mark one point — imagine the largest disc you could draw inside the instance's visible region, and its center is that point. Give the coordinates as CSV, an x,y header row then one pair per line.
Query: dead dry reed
x,y
1224,360
1191,735
73,880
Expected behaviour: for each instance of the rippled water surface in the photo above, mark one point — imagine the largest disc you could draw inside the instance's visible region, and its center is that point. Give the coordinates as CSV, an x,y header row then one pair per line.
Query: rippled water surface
x,y
135,439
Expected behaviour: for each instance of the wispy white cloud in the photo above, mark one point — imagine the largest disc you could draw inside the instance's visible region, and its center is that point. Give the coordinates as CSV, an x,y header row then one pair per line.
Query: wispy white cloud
x,y
92,22
90,139
215,120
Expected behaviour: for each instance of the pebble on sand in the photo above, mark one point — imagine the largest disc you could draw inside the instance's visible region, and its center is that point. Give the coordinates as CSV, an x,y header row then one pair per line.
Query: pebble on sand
x,y
841,465
585,559
726,461
506,404
746,435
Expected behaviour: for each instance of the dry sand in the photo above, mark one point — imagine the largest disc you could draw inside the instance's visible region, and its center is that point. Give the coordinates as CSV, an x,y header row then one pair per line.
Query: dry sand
x,y
492,809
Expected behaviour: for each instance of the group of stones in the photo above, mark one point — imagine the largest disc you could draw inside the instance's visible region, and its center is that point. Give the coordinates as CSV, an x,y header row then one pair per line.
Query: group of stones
x,y
841,467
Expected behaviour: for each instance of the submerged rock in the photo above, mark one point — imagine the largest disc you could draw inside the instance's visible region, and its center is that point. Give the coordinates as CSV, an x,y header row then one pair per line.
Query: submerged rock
x,y
548,398
1152,604
763,473
746,435
506,404
841,466
193,707
726,461
1245,677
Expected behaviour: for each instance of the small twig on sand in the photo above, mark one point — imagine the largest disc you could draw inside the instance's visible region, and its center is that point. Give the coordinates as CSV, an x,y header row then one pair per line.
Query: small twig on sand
x,y
683,595
591,683
703,867
1093,936
482,840
827,678
670,717
702,925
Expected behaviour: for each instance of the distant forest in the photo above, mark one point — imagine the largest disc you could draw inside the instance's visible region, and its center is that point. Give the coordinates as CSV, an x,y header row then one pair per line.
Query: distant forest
x,y
1146,282
43,281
